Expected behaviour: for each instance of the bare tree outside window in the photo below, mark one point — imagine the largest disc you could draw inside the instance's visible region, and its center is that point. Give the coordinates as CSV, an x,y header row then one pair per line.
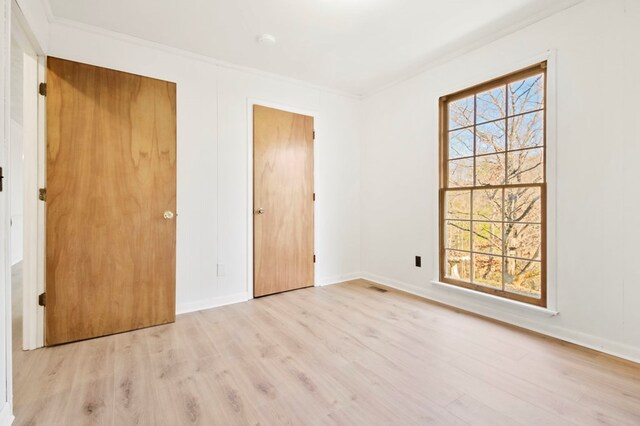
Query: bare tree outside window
x,y
493,187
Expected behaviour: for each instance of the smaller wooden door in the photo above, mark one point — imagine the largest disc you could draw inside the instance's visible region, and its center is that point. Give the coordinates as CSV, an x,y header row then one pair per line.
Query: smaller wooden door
x,y
283,201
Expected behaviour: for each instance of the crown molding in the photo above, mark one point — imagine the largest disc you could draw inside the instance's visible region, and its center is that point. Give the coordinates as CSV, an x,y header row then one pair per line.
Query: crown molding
x,y
69,23
473,42
445,54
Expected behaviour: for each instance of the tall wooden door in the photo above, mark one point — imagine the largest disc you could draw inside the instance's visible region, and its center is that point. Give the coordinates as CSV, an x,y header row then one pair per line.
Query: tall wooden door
x,y
111,198
283,201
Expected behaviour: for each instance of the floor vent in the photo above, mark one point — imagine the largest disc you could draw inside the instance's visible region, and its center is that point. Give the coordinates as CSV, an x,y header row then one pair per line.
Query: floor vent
x,y
378,289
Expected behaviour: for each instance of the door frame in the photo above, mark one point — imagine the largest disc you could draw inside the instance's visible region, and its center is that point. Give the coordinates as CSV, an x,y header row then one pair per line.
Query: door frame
x,y
250,248
33,263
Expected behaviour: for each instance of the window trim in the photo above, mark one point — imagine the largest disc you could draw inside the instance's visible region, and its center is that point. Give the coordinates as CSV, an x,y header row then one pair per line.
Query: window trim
x,y
529,71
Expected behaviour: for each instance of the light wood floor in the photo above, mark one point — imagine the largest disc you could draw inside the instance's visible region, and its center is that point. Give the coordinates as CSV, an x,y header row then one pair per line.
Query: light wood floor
x,y
343,354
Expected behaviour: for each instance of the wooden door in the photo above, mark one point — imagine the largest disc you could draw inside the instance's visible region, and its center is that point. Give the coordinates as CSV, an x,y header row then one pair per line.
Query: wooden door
x,y
111,194
282,200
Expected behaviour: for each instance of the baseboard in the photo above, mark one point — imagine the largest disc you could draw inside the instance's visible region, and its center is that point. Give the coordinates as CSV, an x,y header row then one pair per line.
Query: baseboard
x,y
200,305
6,415
485,308
523,319
321,282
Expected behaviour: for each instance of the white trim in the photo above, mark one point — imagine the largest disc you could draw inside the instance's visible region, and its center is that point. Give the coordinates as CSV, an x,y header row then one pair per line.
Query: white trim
x,y
445,54
215,302
489,73
545,312
63,22
296,110
6,415
30,205
6,375
339,279
41,214
474,44
510,314
33,150
551,155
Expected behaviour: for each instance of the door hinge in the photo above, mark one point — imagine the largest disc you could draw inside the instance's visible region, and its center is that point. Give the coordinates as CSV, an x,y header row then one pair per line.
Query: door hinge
x,y
1,180
314,196
314,258
42,299
42,89
314,135
42,194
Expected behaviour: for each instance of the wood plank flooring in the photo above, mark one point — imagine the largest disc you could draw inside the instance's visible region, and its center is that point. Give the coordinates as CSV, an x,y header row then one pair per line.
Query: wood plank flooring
x,y
342,354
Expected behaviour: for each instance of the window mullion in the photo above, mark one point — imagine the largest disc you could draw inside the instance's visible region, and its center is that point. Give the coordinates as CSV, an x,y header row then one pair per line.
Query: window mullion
x,y
504,241
506,180
475,144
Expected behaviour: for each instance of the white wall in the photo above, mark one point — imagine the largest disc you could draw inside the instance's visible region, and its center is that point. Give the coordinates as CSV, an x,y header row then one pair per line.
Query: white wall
x,y
597,147
17,192
213,161
5,282
16,82
15,170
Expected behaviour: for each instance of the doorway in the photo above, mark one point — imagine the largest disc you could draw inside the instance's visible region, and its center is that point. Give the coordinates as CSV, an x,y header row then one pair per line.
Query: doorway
x,y
283,201
25,174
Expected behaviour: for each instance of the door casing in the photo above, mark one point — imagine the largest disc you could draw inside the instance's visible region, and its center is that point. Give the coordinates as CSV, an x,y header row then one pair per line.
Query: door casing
x,y
33,265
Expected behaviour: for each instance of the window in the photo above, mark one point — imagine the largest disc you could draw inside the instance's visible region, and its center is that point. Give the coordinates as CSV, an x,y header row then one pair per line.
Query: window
x,y
493,187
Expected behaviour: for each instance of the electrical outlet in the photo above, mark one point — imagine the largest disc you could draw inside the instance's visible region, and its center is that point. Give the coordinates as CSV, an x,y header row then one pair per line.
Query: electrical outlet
x,y
418,262
220,270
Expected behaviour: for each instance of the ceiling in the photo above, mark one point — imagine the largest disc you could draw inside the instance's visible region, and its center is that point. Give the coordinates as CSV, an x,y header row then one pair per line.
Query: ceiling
x,y
354,46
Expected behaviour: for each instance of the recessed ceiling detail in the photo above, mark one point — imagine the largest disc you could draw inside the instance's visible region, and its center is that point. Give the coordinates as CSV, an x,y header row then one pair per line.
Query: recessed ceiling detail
x,y
354,46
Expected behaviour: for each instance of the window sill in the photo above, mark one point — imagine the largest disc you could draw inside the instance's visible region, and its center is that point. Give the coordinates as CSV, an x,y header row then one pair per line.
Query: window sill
x,y
547,312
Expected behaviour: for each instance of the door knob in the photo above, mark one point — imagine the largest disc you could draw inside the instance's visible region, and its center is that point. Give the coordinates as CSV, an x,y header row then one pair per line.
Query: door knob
x,y
168,215
260,211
